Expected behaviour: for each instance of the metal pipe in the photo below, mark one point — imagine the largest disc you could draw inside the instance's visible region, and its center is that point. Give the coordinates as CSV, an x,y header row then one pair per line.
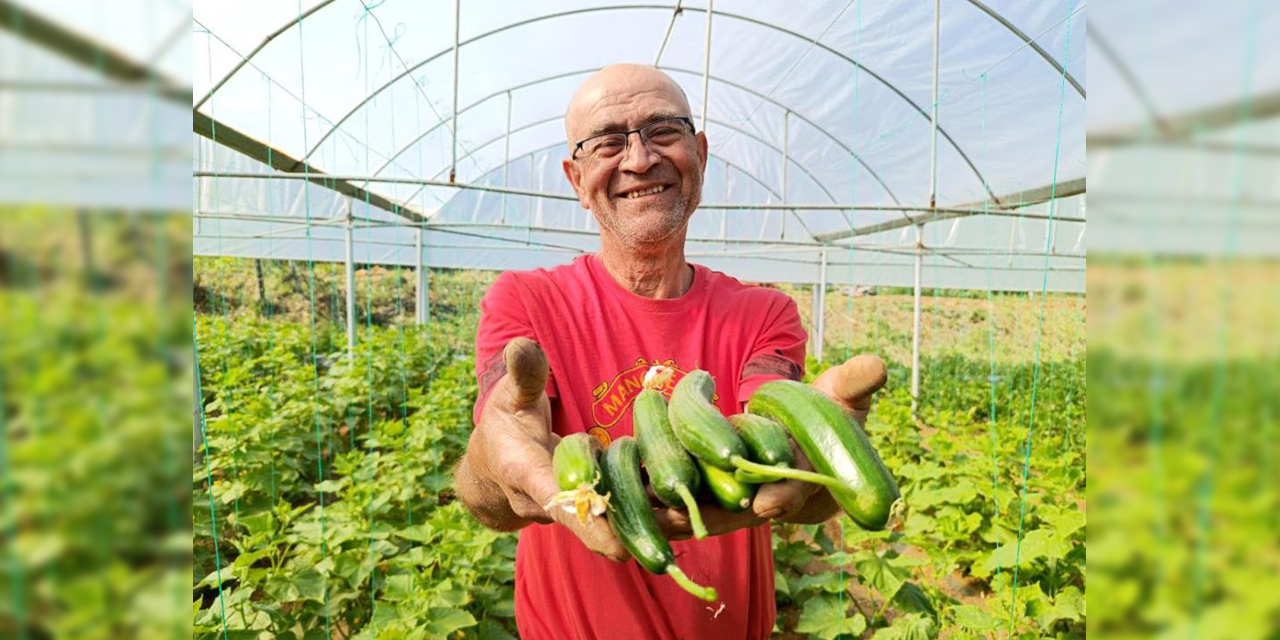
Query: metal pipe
x,y
820,311
724,215
506,160
351,287
933,137
457,22
411,143
933,203
915,324
670,25
420,314
706,65
723,14
786,144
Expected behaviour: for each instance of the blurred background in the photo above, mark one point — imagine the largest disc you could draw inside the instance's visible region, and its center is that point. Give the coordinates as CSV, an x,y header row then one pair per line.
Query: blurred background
x,y
95,320
1184,303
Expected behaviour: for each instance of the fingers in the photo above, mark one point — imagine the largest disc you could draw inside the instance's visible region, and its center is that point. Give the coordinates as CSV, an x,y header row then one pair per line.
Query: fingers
x,y
529,485
596,534
781,499
860,377
527,369
675,525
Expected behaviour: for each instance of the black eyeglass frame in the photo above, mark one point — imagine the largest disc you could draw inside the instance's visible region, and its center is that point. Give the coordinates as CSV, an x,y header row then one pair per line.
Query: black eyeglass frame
x,y
693,131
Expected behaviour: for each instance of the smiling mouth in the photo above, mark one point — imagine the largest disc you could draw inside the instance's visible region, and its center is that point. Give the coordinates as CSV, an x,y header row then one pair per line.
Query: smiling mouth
x,y
632,195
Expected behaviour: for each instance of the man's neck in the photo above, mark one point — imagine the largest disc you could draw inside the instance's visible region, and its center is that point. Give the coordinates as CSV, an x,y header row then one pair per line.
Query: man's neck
x,y
658,272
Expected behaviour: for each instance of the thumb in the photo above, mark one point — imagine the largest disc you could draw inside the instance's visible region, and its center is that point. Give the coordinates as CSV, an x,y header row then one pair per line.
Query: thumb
x,y
527,368
858,378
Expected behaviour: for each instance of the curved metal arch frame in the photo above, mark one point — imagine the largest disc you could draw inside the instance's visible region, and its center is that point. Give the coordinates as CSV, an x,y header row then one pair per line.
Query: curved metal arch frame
x,y
553,145
1057,66
244,60
995,15
530,125
408,71
561,76
744,172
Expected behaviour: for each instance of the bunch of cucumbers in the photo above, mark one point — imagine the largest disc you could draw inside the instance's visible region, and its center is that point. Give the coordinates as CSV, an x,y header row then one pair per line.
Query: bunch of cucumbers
x,y
688,442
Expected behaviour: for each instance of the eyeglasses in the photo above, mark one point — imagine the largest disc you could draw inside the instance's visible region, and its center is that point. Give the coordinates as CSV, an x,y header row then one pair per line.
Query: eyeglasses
x,y
661,133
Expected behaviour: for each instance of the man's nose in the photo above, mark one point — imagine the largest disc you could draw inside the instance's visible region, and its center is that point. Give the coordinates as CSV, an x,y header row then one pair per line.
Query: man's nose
x,y
638,157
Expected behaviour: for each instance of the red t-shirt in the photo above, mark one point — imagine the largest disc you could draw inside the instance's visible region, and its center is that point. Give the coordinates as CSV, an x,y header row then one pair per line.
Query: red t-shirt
x,y
600,339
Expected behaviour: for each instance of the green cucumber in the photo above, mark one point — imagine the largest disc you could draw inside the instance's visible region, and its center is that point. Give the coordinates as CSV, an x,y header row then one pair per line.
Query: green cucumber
x,y
836,447
698,424
771,456
577,473
631,516
574,461
766,440
727,491
672,474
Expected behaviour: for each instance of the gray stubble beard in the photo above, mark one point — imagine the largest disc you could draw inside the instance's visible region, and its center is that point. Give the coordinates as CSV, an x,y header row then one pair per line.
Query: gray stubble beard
x,y
671,222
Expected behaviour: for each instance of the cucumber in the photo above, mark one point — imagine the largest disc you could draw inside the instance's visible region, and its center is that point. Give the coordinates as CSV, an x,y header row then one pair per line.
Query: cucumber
x,y
707,435
766,440
727,491
574,461
631,517
672,474
771,456
836,447
577,472
698,424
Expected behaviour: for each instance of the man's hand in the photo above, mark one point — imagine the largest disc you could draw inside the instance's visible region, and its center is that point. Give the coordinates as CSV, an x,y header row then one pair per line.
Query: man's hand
x,y
506,477
851,385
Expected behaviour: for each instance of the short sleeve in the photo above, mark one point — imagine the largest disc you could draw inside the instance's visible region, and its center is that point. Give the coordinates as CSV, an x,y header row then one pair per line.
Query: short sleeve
x,y
778,351
503,317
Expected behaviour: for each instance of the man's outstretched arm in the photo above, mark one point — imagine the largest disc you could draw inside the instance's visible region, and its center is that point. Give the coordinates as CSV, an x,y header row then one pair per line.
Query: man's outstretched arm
x,y
505,477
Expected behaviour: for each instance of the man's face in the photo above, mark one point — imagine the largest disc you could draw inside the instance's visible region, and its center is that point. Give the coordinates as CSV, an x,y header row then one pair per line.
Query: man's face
x,y
646,193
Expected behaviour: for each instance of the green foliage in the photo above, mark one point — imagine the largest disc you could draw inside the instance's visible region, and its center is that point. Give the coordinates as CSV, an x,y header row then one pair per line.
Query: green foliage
x,y
330,483
961,475
330,479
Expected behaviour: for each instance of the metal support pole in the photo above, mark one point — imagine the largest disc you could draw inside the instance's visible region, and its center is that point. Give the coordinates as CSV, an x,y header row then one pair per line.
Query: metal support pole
x,y
351,286
421,313
820,309
786,144
933,140
670,25
724,215
706,66
933,203
915,325
506,161
457,22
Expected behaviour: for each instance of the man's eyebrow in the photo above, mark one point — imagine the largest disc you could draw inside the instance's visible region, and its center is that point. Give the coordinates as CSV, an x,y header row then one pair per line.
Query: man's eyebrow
x,y
615,127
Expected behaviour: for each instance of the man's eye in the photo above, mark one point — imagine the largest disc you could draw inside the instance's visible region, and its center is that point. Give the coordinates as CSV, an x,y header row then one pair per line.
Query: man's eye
x,y
664,134
610,143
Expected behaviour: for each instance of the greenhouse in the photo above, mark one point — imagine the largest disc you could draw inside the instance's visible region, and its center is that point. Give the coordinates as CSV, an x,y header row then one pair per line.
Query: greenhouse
x,y
911,174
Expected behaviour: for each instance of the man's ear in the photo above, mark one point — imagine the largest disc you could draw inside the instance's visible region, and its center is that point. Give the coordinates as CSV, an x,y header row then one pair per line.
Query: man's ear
x,y
702,149
574,174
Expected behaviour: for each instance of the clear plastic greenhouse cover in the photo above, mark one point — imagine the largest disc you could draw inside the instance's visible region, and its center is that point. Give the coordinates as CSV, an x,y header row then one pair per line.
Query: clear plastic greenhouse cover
x,y
840,90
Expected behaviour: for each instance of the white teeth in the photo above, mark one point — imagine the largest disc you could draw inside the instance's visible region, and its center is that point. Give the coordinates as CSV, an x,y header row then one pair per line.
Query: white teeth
x,y
644,192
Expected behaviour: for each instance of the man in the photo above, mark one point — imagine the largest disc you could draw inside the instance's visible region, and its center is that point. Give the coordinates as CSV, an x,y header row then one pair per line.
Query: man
x,y
601,322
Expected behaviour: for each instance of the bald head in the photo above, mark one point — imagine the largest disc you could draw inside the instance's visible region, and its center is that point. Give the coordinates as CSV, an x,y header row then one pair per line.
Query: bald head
x,y
615,85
